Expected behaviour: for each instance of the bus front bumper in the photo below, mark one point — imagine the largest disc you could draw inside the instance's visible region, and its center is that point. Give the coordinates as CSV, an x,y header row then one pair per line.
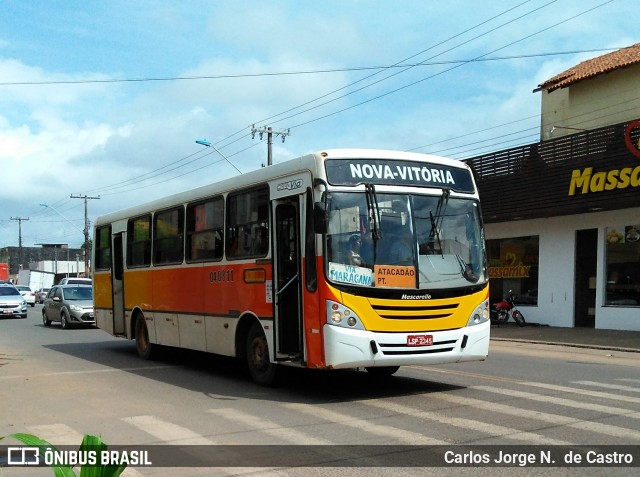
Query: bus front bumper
x,y
350,348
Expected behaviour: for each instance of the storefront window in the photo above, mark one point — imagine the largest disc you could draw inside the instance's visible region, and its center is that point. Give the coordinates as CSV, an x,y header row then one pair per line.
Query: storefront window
x,y
513,265
623,265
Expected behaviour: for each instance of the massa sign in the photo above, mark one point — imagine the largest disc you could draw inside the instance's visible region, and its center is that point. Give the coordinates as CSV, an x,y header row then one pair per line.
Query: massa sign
x,y
590,180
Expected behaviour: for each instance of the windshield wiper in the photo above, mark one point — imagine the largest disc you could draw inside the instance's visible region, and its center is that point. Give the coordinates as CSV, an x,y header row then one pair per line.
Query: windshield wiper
x,y
438,218
374,216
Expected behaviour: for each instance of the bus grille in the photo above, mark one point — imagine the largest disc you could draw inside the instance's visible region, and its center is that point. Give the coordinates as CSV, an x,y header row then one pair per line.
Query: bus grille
x,y
414,312
394,349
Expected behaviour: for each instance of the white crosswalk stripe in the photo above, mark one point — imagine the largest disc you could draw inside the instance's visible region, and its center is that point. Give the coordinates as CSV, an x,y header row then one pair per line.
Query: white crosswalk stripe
x,y
57,434
270,428
167,432
555,419
402,436
170,433
470,424
373,414
615,387
584,392
561,401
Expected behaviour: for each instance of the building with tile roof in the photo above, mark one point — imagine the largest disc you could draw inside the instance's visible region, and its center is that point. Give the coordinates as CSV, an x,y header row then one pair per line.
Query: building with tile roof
x,y
592,94
608,63
562,216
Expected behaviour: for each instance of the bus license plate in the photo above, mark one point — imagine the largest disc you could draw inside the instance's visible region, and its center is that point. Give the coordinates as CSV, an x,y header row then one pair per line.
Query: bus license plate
x,y
419,340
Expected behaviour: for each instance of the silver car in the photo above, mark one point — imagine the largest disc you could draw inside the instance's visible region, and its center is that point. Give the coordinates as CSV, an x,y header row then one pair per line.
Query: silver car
x,y
70,305
11,301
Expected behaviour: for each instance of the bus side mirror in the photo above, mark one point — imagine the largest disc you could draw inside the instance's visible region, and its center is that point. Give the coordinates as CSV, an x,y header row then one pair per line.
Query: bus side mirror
x,y
320,218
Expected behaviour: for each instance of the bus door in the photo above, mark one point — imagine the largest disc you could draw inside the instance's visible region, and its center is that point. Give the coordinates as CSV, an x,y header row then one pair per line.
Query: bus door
x,y
287,278
117,285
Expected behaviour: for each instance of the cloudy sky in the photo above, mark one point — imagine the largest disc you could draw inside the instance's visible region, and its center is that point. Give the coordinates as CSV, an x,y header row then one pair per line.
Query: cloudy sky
x,y
106,98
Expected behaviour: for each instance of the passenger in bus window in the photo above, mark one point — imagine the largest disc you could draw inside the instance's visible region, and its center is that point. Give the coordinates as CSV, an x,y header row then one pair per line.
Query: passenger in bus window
x,y
353,251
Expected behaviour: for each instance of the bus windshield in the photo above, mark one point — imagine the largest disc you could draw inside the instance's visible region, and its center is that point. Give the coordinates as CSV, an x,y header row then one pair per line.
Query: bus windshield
x,y
404,241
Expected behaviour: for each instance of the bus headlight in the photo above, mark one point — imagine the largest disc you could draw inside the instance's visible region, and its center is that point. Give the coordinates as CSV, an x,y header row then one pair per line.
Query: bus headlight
x,y
340,315
336,317
480,314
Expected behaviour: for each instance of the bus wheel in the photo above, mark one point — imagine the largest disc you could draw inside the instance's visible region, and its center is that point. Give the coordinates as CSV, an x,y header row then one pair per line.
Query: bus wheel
x,y
143,345
383,370
262,370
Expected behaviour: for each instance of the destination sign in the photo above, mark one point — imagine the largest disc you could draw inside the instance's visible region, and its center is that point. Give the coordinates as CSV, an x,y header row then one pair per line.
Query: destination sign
x,y
396,172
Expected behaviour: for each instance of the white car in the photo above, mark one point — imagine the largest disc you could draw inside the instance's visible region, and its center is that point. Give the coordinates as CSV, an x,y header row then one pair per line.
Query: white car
x,y
75,281
28,294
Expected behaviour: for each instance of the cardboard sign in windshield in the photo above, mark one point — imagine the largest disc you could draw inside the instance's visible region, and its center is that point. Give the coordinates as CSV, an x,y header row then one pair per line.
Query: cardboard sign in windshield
x,y
394,276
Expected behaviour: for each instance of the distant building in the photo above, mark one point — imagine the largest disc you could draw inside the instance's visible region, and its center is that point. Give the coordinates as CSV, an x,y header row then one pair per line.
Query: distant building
x,y
58,257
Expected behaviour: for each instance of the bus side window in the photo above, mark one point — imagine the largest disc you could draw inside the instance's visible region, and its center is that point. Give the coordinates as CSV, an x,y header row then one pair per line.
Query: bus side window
x,y
103,248
248,223
205,230
139,241
168,233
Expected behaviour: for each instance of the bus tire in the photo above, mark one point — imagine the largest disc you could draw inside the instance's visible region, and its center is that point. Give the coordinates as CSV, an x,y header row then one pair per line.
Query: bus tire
x,y
261,369
382,370
143,345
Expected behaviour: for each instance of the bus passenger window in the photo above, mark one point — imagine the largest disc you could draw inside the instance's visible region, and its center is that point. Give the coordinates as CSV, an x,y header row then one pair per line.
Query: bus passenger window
x,y
139,242
168,236
205,230
248,223
103,248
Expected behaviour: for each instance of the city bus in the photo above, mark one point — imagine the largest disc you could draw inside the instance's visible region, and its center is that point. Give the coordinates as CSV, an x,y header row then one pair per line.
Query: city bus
x,y
345,258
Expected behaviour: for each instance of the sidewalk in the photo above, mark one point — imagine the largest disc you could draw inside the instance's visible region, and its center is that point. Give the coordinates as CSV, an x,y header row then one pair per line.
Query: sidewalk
x,y
579,337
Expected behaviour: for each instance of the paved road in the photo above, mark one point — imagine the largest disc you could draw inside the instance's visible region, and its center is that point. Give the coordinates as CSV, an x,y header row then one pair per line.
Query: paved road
x,y
62,384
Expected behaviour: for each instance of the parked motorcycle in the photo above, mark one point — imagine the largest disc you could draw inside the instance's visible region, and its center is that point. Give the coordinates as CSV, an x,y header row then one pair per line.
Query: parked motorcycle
x,y
501,311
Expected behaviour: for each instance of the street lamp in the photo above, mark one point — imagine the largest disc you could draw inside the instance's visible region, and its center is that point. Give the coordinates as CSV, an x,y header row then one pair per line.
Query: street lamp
x,y
204,142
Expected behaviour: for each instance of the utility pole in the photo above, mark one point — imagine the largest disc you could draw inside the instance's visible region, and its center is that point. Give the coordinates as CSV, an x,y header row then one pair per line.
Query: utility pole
x,y
270,132
87,249
20,220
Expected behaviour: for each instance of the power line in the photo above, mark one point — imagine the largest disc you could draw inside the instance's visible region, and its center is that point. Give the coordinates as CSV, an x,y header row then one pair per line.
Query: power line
x,y
302,72
479,58
398,64
452,68
174,166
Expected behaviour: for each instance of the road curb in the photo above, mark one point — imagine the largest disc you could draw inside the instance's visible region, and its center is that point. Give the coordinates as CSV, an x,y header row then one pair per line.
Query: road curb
x,y
574,345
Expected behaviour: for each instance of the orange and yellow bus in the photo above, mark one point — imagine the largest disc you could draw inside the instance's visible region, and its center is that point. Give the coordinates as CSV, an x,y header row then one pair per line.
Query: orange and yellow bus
x,y
347,258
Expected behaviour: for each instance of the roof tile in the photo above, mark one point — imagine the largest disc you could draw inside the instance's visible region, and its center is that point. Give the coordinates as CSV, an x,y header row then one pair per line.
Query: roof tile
x,y
594,67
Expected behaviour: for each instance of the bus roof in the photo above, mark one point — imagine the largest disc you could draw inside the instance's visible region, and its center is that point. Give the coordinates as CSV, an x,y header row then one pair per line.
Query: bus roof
x,y
308,162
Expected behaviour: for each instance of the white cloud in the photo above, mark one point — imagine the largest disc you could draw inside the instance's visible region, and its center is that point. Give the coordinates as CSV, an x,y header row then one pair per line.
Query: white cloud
x,y
60,139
